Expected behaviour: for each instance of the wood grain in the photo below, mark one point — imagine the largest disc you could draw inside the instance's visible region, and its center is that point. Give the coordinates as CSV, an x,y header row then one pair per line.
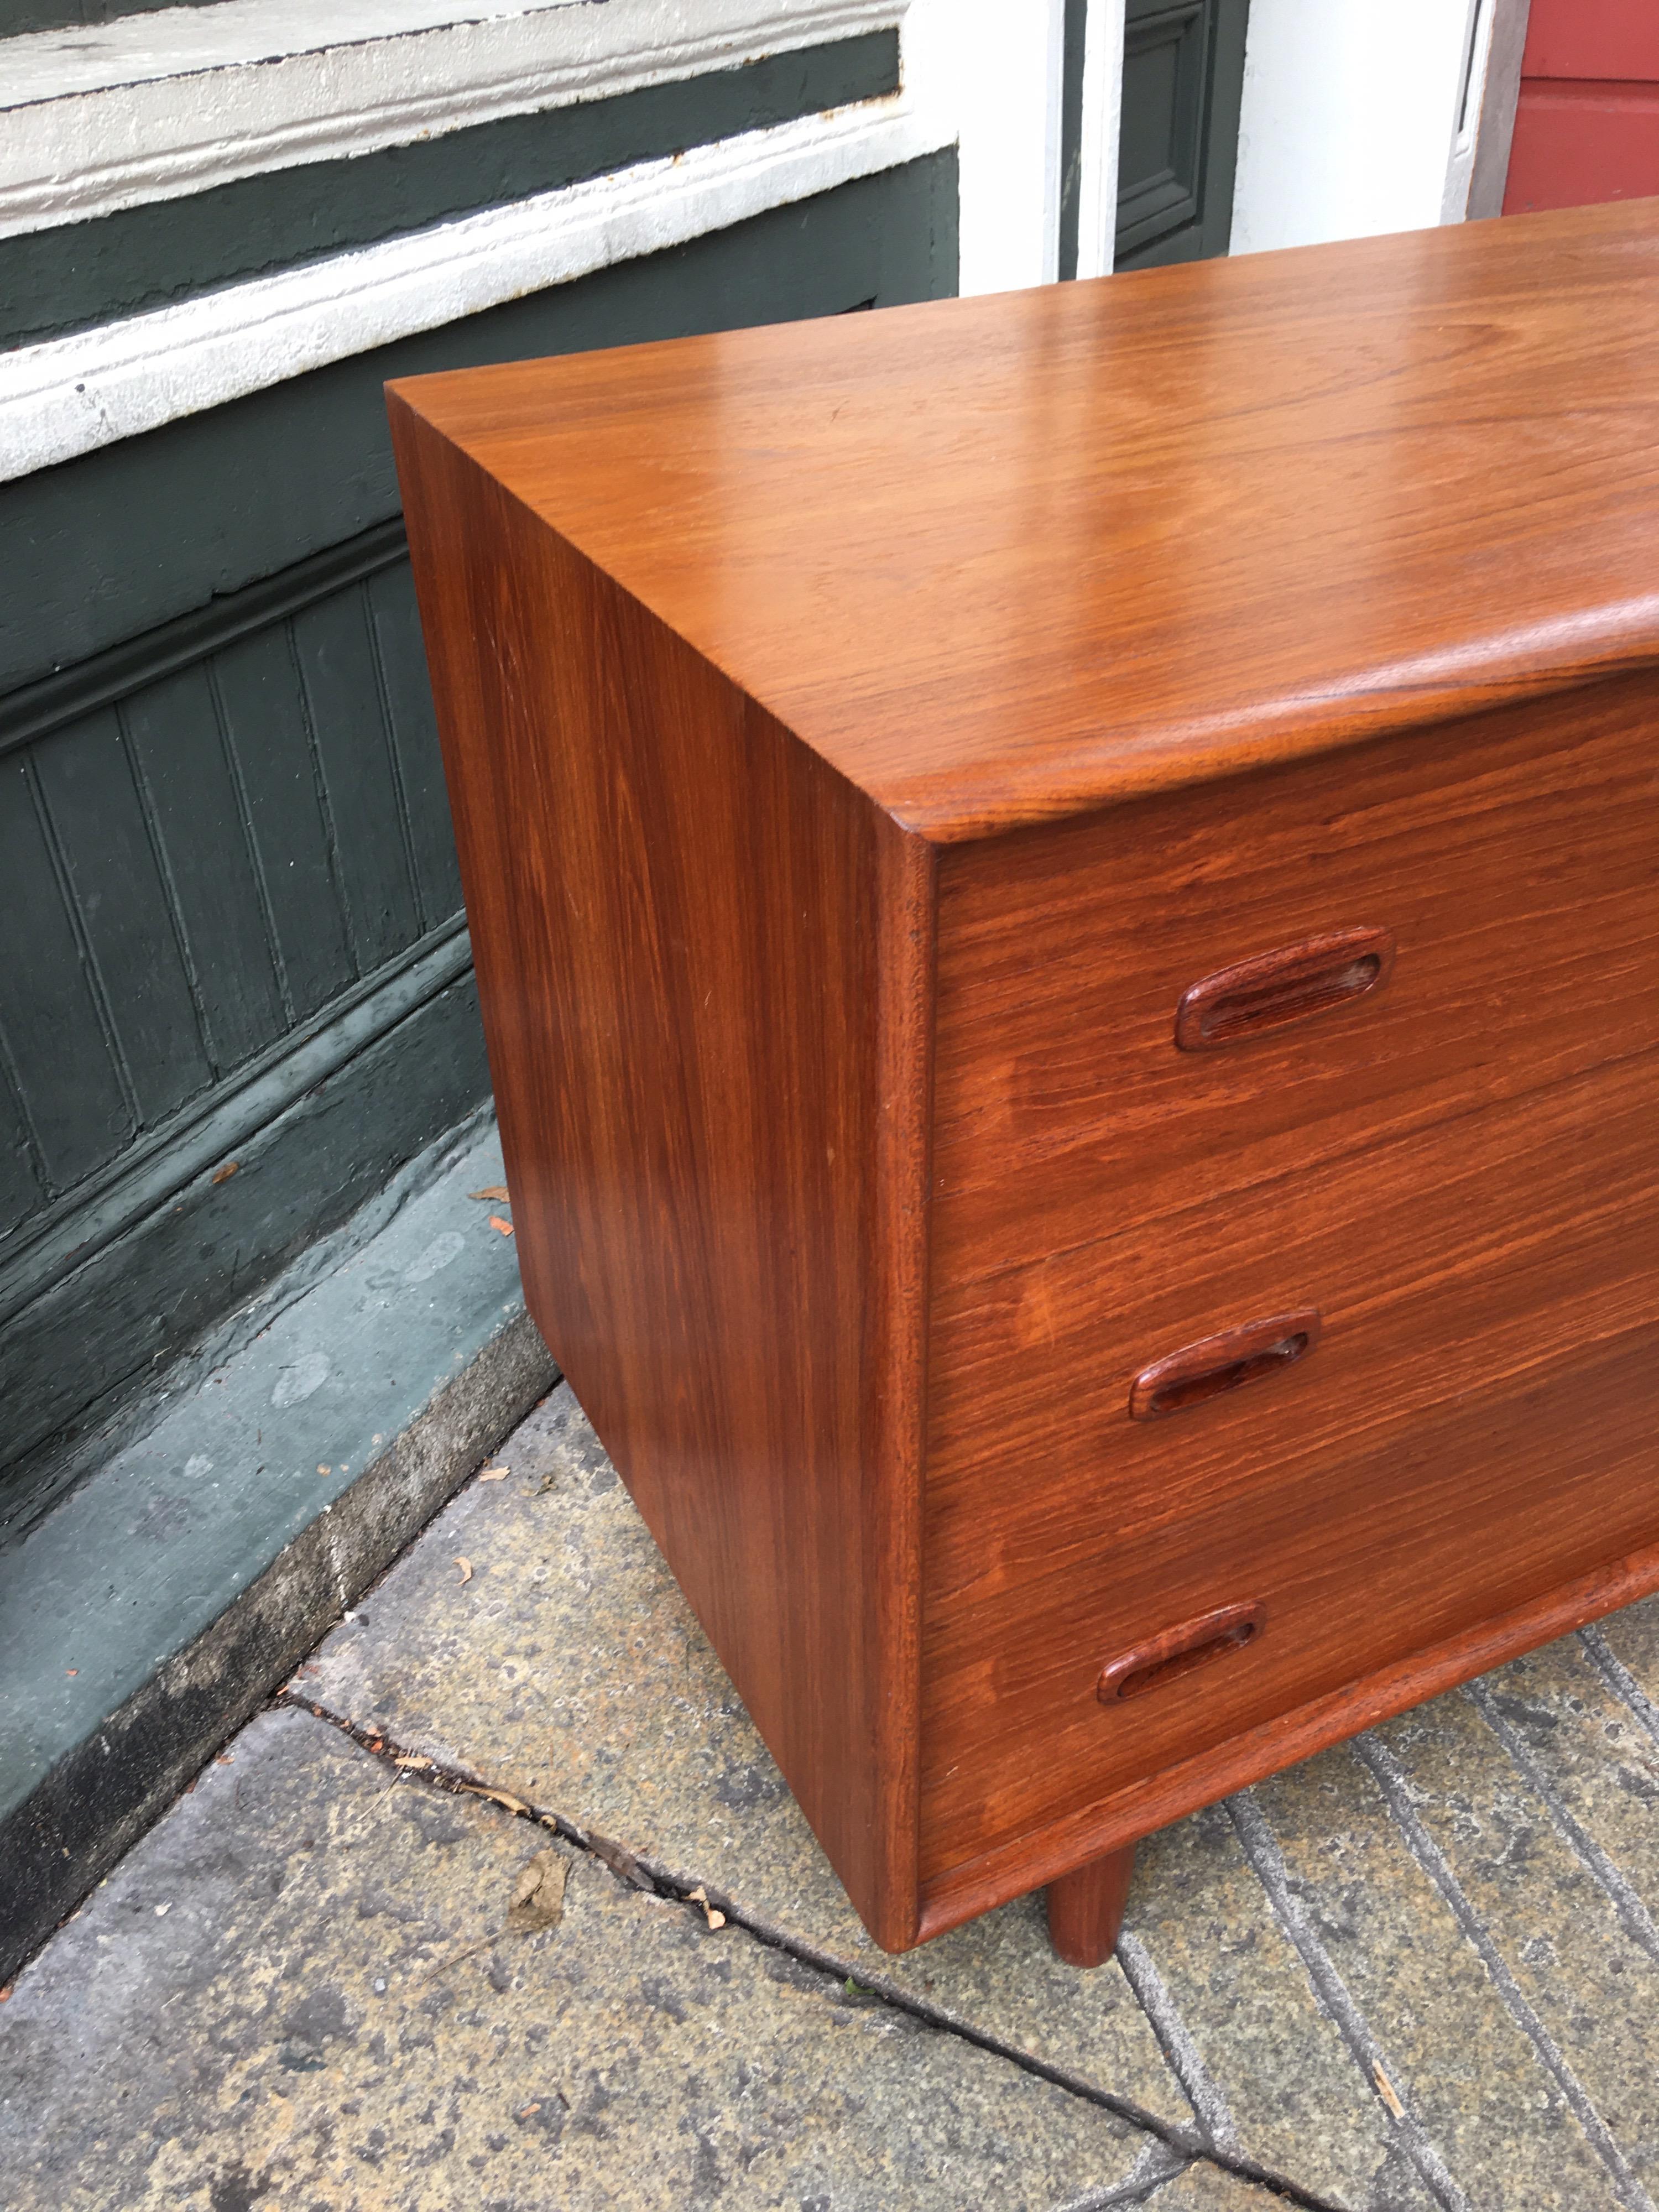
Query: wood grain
x,y
1358,1560
863,736
1085,1909
1153,1801
1476,1424
1251,1351
702,962
1002,560
1517,863
1178,1651
1295,983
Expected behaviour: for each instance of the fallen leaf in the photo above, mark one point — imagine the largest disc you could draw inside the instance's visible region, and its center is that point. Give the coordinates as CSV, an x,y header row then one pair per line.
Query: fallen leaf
x,y
324,1470
491,1190
412,1759
1385,2089
621,1861
465,1566
505,1227
226,1758
496,1475
71,1670
711,1913
495,1796
5,1993
225,1173
538,1898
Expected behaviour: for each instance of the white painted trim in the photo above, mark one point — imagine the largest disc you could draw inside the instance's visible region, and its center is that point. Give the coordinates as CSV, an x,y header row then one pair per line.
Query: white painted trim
x,y
1103,116
1053,121
153,106
69,396
989,65
1460,164
1348,119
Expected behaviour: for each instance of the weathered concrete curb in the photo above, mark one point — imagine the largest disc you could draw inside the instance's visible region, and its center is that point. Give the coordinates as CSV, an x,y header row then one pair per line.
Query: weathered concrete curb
x,y
145,1620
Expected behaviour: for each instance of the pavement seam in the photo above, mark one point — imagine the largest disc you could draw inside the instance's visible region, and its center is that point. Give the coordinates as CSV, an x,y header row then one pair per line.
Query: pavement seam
x,y
1391,1779
1260,1847
1156,2164
1174,2040
649,1875
1633,1915
1619,1679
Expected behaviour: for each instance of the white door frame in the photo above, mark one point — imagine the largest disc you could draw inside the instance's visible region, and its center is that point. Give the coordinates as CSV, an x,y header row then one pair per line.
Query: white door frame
x,y
1358,117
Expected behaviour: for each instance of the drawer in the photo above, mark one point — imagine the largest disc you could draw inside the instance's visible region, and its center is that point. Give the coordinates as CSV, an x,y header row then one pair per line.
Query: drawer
x,y
1355,1558
1475,1424
1514,857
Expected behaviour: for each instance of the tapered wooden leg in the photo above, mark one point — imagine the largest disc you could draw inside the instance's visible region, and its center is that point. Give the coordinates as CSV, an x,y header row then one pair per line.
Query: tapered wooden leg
x,y
1085,1909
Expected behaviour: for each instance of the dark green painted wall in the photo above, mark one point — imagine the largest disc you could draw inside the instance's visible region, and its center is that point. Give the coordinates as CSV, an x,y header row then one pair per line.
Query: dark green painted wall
x,y
73,15
57,280
107,545
228,849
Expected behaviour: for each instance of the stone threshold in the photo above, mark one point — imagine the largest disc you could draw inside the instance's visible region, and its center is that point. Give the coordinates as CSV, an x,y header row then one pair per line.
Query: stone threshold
x,y
162,1600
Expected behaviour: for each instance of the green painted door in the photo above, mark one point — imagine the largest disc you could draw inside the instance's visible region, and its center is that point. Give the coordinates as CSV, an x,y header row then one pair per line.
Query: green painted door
x,y
1183,70
1184,73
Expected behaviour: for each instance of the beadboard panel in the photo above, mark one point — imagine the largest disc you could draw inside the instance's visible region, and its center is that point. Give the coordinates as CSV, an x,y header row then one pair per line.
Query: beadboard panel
x,y
207,862
227,842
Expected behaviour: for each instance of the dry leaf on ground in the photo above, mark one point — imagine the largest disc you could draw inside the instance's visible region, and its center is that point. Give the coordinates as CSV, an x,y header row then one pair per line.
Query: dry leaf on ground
x,y
496,1475
621,1861
539,1899
490,1190
495,1796
465,1566
505,1228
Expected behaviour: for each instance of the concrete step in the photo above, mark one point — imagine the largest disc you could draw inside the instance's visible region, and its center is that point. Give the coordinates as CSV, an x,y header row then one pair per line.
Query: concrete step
x,y
280,1470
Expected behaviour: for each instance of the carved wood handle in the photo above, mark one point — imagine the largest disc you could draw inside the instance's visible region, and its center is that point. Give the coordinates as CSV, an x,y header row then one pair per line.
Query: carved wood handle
x,y
1288,985
1193,1642
1216,1365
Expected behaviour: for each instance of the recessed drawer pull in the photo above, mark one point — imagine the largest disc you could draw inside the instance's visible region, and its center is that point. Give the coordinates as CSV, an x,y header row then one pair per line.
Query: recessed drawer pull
x,y
1216,1365
1264,993
1160,1659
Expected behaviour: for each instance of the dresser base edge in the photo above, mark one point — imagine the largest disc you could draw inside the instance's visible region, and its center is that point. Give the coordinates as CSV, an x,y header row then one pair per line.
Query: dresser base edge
x,y
1154,1800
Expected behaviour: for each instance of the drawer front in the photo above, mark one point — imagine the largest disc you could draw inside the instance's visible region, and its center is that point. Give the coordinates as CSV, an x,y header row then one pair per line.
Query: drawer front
x,y
1511,860
1473,1422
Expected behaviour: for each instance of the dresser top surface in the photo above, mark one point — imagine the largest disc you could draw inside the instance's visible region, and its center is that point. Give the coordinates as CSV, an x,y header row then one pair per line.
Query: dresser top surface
x,y
1003,559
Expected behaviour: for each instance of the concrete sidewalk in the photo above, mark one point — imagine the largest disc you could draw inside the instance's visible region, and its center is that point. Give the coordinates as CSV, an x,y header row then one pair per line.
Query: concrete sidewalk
x,y
504,1905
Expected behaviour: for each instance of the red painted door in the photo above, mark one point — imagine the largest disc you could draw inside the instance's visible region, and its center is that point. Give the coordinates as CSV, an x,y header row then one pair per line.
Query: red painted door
x,y
1587,127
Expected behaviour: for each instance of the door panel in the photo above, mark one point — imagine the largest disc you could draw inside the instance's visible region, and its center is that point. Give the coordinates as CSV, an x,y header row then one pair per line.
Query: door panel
x,y
1183,74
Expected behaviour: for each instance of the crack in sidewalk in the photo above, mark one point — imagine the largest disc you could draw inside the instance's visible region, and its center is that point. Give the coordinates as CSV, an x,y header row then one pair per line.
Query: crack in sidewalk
x,y
637,1871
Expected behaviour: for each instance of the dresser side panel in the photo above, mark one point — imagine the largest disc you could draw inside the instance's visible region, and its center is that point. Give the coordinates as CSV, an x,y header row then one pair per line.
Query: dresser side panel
x,y
702,961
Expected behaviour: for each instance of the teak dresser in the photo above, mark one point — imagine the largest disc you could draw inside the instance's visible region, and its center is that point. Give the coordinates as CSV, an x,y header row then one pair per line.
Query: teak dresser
x,y
1066,891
